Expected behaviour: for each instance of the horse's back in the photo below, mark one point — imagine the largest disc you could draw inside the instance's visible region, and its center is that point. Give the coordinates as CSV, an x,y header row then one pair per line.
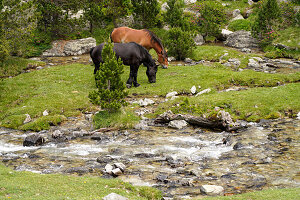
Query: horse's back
x,y
126,35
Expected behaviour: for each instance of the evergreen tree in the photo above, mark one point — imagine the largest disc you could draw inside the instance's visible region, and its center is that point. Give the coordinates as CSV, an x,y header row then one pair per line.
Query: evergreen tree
x,y
268,18
174,13
111,90
145,12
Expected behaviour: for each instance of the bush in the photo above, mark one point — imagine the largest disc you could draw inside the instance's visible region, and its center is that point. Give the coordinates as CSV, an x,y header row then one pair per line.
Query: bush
x,y
267,21
4,52
240,24
180,43
145,12
110,94
210,17
174,14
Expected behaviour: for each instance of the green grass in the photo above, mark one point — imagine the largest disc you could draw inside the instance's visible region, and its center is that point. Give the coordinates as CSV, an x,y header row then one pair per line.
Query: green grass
x,y
123,119
27,185
289,37
269,194
63,91
251,105
213,53
14,66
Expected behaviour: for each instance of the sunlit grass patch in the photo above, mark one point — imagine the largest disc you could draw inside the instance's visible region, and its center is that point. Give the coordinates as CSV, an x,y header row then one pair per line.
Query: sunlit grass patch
x,y
251,105
27,185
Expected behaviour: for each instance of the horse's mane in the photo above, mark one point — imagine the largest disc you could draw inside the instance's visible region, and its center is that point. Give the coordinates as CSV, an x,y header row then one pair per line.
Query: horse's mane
x,y
144,50
154,38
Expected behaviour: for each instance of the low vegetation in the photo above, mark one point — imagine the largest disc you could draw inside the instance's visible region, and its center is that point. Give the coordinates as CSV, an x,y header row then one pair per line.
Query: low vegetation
x,y
63,92
28,185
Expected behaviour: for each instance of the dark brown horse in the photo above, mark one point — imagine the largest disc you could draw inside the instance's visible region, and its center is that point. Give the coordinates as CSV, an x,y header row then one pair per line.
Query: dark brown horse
x,y
131,54
143,37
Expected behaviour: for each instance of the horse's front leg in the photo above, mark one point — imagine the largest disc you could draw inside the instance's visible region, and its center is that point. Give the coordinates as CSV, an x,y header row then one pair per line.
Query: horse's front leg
x,y
135,83
131,77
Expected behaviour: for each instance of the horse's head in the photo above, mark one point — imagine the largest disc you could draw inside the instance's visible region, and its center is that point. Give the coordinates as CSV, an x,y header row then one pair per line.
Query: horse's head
x,y
151,71
163,58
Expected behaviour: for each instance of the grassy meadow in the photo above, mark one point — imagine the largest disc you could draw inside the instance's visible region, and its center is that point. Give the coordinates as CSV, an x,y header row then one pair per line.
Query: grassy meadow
x,y
63,92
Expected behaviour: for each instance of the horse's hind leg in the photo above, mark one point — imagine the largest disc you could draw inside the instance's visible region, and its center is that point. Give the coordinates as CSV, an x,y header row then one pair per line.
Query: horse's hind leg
x,y
135,83
131,77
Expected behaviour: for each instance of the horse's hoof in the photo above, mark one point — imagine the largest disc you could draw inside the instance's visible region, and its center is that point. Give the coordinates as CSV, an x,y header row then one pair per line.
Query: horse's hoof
x,y
128,85
136,85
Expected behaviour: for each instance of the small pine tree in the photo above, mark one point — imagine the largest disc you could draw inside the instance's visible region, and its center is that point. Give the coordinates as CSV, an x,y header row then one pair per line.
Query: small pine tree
x,y
267,20
111,90
174,13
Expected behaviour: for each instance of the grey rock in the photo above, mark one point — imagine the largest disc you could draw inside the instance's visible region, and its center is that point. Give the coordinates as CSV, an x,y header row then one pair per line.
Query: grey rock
x,y
199,40
117,172
57,134
33,140
246,50
171,59
221,57
241,39
39,68
177,124
212,190
203,91
45,113
28,119
70,48
188,60
114,196
225,33
145,102
121,166
236,13
193,90
109,168
142,125
171,94
253,63
237,17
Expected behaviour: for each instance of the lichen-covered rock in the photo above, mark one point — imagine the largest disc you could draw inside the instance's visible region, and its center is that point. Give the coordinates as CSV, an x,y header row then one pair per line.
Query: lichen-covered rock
x,y
241,39
70,48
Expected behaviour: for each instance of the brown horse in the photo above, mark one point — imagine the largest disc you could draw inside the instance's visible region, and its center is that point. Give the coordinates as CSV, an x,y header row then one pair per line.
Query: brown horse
x,y
144,38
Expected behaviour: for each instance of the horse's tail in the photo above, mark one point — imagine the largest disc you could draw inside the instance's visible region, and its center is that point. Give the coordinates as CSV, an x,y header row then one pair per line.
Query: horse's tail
x,y
91,51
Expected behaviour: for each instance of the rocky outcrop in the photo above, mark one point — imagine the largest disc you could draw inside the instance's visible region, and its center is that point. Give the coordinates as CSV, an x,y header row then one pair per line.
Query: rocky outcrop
x,y
70,48
241,39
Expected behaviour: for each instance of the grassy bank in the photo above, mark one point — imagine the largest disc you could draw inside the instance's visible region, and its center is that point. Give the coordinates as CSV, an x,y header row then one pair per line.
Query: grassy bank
x,y
63,92
27,185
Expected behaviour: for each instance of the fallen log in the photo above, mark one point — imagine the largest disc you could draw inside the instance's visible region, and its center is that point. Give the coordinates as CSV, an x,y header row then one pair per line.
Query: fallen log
x,y
222,120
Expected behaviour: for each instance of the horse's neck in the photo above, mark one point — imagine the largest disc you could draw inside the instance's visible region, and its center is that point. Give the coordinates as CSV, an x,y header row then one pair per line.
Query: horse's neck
x,y
157,47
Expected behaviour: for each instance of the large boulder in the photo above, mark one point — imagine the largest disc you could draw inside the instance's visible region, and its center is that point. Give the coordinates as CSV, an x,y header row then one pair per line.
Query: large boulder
x,y
70,48
241,39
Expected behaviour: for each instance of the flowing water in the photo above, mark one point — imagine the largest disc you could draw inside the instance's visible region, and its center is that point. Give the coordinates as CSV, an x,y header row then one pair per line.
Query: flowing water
x,y
177,162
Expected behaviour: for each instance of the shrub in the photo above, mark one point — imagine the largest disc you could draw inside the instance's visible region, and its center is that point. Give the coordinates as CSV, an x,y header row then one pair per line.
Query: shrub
x,y
110,94
145,12
4,52
267,20
174,14
240,24
180,43
209,18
